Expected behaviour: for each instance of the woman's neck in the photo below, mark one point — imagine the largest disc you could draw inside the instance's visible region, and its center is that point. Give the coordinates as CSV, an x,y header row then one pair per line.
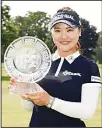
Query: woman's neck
x,y
67,53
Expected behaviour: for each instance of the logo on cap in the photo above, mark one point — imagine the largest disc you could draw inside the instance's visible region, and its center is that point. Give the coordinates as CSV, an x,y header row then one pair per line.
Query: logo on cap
x,y
66,17
63,16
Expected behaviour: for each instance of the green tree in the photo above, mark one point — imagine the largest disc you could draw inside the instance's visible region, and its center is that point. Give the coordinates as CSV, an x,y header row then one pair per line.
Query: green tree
x,y
98,49
9,30
35,24
21,23
88,39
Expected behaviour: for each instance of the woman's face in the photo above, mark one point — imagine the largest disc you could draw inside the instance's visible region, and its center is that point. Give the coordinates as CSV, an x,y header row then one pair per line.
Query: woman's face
x,y
65,37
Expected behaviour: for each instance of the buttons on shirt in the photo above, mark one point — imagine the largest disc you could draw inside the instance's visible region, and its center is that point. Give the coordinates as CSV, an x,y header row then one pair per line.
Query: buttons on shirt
x,y
71,58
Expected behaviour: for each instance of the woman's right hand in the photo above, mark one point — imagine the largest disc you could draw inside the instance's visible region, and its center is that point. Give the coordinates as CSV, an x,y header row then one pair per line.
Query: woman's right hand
x,y
12,81
12,84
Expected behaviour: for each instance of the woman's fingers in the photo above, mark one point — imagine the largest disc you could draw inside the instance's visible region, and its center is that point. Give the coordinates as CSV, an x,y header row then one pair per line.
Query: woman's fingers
x,y
29,97
12,81
32,93
24,97
39,98
12,84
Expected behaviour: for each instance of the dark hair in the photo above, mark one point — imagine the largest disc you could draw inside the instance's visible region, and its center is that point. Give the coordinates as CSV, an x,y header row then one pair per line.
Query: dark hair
x,y
65,9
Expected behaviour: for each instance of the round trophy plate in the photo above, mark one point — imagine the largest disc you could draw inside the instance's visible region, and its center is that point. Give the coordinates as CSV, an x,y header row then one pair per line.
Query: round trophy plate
x,y
27,59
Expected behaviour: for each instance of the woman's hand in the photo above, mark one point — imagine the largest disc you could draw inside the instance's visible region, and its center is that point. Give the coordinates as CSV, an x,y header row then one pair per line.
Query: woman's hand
x,y
12,81
39,97
12,84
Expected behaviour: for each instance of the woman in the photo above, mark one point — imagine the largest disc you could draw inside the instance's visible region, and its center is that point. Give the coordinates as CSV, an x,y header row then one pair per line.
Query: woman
x,y
69,92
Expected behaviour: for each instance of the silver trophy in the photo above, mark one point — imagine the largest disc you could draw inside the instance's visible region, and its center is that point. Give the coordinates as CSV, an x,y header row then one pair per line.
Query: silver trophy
x,y
28,60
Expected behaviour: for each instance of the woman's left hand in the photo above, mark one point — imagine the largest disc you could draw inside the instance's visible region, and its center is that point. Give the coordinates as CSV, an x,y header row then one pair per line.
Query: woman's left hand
x,y
39,97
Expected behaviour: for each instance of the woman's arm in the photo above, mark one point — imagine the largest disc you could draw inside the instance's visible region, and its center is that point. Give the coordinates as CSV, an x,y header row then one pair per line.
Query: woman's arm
x,y
84,109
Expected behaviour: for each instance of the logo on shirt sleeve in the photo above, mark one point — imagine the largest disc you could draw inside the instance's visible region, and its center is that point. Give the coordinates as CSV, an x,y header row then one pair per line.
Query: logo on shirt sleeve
x,y
96,79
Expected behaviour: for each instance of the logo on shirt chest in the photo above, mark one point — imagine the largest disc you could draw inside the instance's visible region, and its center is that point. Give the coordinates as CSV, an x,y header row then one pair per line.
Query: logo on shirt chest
x,y
66,72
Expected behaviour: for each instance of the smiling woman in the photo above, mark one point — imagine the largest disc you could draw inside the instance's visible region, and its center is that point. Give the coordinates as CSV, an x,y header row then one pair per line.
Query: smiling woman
x,y
66,29
65,38
64,98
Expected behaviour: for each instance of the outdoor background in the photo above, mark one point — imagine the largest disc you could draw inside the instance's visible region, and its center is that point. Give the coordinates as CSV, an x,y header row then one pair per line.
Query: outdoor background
x,y
32,18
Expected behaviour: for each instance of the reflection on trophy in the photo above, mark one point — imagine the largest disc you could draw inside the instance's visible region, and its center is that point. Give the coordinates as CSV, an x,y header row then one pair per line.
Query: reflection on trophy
x,y
27,59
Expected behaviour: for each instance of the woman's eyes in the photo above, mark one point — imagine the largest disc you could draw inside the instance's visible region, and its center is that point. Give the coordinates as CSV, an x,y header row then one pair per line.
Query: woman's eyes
x,y
68,30
57,30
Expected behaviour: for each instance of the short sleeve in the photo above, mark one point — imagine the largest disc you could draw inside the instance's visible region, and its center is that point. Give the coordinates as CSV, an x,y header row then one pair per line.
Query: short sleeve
x,y
95,74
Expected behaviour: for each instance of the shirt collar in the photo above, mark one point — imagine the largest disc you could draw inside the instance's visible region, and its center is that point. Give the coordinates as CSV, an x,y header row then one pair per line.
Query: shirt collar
x,y
69,58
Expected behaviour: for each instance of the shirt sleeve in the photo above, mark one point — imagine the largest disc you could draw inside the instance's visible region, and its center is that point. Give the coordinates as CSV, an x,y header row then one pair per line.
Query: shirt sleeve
x,y
84,109
94,73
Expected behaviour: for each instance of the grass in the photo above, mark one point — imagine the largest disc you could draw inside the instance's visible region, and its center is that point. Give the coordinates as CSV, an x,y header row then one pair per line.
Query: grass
x,y
13,114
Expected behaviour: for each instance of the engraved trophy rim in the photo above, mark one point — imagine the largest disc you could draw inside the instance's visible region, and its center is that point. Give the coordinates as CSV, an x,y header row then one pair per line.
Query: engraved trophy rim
x,y
12,52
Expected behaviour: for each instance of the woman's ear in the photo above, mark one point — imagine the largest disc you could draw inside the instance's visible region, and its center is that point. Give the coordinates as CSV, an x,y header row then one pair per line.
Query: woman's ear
x,y
79,31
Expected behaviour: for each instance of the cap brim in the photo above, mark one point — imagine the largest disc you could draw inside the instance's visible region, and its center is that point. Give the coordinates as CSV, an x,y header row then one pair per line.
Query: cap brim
x,y
64,21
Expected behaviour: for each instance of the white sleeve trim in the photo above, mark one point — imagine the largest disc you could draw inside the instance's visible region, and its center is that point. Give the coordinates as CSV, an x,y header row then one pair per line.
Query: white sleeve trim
x,y
28,105
84,109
